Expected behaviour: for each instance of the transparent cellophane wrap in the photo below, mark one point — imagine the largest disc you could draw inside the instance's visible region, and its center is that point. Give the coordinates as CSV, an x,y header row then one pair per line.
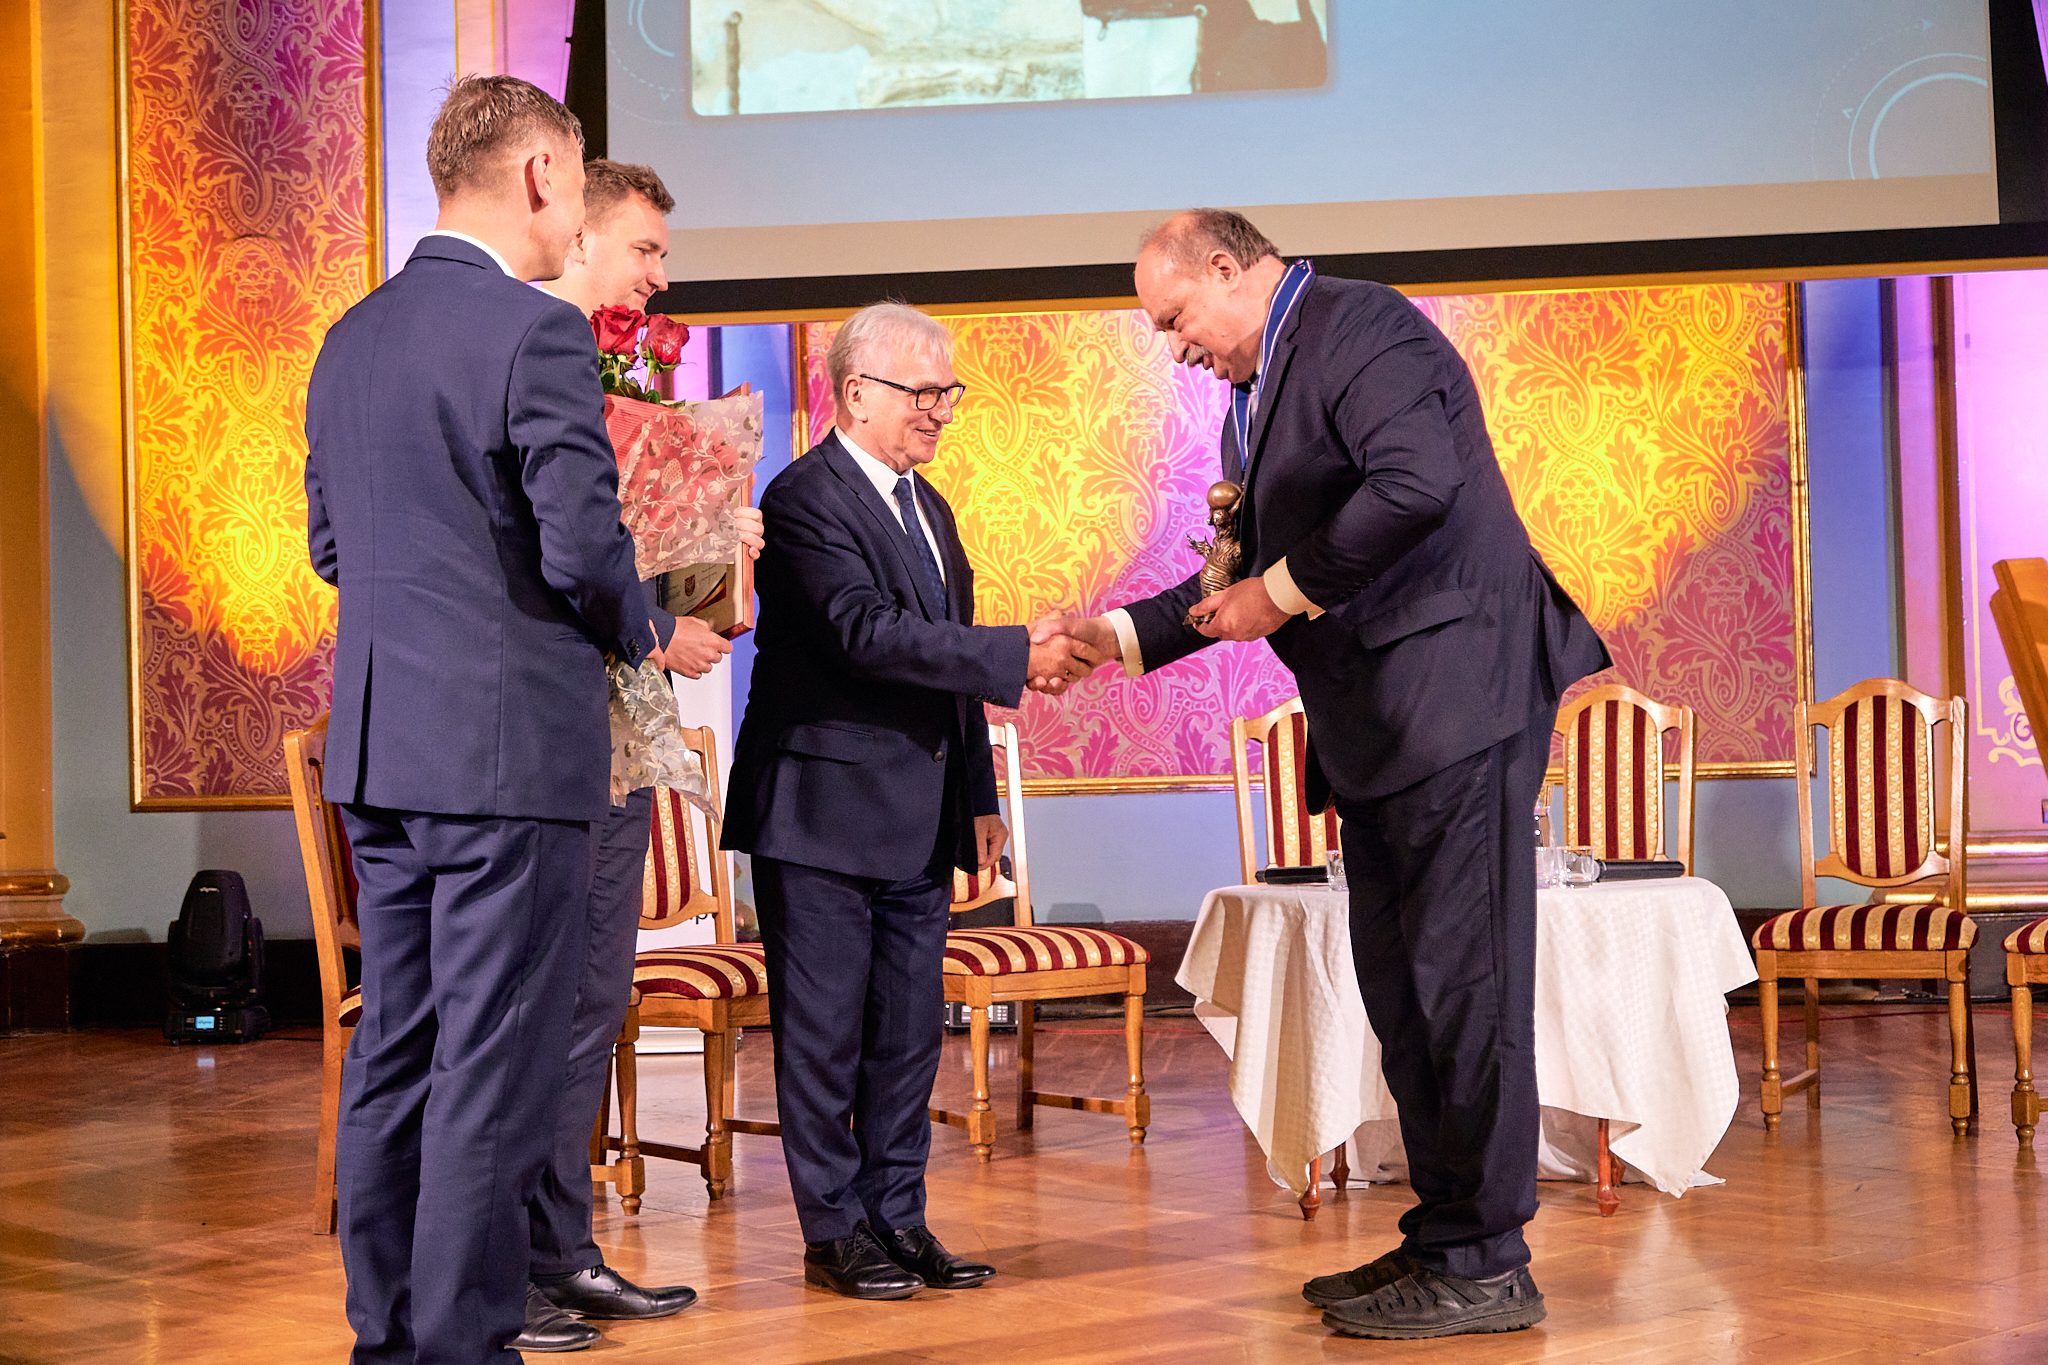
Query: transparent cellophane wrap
x,y
684,468
647,738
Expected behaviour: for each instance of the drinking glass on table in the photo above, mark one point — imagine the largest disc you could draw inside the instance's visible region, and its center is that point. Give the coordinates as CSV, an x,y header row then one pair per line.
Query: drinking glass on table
x,y
1334,861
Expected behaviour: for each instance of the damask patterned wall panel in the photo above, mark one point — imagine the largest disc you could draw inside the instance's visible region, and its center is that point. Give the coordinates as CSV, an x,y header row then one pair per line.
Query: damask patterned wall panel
x,y
1646,435
248,202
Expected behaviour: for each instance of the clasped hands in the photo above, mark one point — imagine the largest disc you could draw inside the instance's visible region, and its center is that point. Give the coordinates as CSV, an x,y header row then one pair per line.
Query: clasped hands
x,y
1065,648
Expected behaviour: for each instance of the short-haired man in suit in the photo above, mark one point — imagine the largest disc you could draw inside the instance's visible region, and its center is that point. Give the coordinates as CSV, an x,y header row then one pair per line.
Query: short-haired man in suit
x,y
463,498
615,261
861,779
1391,573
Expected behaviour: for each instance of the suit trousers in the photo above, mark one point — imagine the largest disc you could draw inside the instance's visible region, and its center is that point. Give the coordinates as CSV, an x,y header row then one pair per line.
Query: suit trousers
x,y
1443,932
472,941
562,1244
858,1000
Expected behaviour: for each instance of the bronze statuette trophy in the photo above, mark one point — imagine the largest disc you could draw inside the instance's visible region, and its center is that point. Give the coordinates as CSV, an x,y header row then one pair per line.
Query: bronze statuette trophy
x,y
1223,558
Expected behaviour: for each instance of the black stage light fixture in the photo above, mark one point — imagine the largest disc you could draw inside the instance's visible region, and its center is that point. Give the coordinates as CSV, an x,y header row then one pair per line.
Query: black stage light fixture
x,y
216,964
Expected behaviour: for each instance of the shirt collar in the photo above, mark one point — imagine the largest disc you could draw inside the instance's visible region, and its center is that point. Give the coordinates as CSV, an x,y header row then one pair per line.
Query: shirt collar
x,y
880,475
482,246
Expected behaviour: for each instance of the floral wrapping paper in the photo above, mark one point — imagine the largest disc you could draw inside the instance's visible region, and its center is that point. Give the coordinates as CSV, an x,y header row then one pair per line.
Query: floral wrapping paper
x,y
647,738
680,467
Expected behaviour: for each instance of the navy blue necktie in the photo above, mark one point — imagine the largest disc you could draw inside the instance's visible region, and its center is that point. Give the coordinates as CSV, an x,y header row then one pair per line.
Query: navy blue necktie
x,y
907,504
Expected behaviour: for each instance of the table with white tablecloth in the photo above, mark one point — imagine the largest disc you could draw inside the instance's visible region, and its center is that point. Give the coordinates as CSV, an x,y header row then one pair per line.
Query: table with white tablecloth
x,y
1631,1026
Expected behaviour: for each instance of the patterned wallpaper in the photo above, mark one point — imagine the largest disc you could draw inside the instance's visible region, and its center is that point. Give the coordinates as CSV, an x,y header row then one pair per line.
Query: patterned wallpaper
x,y
1646,436
248,191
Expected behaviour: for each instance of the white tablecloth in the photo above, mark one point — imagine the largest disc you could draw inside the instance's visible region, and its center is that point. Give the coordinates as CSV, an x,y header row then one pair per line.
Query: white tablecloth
x,y
1631,1025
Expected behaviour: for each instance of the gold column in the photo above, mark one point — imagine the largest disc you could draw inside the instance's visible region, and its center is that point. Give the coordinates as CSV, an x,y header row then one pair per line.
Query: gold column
x,y
31,889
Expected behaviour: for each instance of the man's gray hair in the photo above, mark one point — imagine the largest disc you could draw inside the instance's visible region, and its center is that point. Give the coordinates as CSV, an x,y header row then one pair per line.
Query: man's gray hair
x,y
876,330
1185,240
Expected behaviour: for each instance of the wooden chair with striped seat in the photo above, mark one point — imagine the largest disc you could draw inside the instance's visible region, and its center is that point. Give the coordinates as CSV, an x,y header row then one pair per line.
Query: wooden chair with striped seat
x,y
1881,833
1295,837
1614,774
2020,610
717,988
330,887
1025,963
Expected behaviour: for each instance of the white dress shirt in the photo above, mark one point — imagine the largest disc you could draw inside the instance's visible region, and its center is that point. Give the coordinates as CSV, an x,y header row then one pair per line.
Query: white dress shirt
x,y
482,246
884,480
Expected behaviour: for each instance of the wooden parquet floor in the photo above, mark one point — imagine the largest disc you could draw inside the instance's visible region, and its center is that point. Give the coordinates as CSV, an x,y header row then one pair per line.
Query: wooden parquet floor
x,y
153,1208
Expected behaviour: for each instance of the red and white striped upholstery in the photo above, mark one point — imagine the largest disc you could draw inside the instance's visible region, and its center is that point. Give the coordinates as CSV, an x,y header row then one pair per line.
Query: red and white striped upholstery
x,y
1880,788
1924,928
667,884
1039,948
704,971
1614,781
971,890
1295,835
2031,939
351,1011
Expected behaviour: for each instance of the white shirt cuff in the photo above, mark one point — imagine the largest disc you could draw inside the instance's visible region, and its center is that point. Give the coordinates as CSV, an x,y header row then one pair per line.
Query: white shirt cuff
x,y
1280,587
1126,640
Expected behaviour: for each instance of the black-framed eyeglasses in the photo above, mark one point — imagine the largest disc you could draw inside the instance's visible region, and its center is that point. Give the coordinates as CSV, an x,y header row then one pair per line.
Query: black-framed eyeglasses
x,y
926,399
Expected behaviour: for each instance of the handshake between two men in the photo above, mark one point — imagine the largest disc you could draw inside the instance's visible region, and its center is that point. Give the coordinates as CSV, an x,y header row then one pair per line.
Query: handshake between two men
x,y
1065,649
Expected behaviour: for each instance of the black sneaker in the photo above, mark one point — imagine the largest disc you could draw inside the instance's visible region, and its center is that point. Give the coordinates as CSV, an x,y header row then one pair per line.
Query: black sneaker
x,y
1426,1304
1326,1291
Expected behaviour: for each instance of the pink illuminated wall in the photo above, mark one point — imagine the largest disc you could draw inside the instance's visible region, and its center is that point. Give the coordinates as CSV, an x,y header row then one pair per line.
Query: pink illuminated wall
x,y
2002,430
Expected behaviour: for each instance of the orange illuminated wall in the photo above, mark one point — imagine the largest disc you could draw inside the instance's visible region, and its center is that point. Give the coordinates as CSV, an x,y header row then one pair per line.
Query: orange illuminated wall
x,y
1647,435
248,199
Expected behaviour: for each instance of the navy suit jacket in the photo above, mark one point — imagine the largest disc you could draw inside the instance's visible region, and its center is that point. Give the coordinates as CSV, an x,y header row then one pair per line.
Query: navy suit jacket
x,y
462,495
1371,472
864,739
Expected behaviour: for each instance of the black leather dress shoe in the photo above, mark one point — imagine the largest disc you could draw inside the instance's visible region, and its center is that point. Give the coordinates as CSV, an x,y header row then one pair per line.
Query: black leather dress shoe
x,y
917,1251
608,1296
1426,1304
855,1265
549,1329
1326,1291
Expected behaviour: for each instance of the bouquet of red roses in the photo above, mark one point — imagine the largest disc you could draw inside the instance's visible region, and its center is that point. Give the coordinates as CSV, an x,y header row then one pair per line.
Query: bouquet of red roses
x,y
683,468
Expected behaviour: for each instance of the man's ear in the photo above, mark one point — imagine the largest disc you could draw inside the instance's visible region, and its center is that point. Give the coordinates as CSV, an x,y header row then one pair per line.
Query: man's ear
x,y
1223,267
579,249
538,174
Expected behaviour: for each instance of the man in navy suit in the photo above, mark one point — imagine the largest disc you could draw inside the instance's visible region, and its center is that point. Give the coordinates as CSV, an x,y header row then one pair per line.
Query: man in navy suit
x,y
462,496
1392,575
861,779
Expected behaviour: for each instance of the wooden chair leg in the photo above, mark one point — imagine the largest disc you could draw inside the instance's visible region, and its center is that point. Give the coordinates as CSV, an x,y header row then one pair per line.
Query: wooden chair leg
x,y
1027,1041
1604,1195
981,1120
1812,985
632,1167
718,1088
326,1206
1772,1095
1311,1200
1137,1104
1959,1087
1340,1167
2026,1103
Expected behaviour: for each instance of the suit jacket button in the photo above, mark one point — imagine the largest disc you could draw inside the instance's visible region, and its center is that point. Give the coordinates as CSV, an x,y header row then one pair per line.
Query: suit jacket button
x,y
938,755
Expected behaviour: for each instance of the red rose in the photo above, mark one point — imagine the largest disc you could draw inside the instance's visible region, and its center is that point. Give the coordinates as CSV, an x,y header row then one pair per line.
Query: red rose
x,y
617,329
665,339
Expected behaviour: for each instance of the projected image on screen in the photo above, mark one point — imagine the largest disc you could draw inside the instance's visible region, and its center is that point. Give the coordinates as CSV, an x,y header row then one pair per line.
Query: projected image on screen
x,y
815,56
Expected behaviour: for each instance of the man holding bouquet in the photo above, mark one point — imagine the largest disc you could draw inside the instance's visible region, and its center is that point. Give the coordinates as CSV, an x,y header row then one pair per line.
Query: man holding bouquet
x,y
614,264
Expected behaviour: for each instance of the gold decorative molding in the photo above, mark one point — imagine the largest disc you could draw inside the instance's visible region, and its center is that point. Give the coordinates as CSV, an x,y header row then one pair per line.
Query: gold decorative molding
x,y
32,910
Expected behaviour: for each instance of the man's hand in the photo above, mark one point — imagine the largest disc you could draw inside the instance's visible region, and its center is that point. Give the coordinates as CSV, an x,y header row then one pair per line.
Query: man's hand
x,y
1057,661
990,837
753,531
1242,611
1094,631
693,650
